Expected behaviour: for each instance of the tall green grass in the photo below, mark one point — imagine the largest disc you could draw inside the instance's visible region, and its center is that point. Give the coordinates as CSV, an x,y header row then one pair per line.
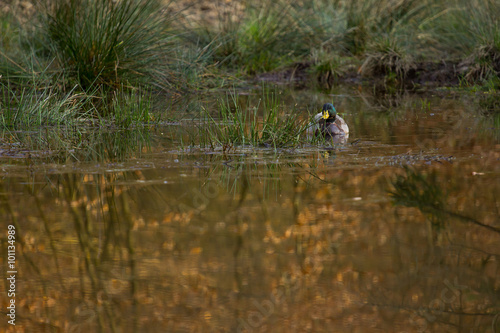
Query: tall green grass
x,y
457,27
19,61
466,32
119,43
387,37
389,58
44,105
217,40
268,37
272,34
35,107
111,43
9,34
131,108
85,52
265,36
267,124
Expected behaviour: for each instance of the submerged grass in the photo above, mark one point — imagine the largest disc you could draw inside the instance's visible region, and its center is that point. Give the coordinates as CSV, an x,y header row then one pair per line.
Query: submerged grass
x,y
60,145
268,124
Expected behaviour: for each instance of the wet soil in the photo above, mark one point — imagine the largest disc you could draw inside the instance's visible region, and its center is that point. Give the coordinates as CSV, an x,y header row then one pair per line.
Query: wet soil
x,y
425,75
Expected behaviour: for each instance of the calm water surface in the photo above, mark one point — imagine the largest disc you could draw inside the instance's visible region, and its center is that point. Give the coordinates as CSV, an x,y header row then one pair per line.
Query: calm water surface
x,y
397,230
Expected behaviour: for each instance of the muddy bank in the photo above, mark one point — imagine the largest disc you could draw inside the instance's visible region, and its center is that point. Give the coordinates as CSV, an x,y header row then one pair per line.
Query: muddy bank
x,y
422,75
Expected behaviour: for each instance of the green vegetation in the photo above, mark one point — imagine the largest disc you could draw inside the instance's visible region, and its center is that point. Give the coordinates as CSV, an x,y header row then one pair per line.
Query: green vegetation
x,y
33,107
130,108
90,58
110,43
389,59
238,125
86,60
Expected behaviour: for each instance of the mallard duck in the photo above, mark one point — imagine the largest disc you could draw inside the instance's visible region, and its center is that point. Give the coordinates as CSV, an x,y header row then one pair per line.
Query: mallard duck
x,y
329,125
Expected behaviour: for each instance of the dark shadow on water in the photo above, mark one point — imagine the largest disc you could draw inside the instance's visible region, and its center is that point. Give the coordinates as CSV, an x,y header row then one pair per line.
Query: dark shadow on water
x,y
423,191
461,264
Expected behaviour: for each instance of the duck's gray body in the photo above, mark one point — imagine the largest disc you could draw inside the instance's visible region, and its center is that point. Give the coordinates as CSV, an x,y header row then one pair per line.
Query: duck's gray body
x,y
328,128
329,125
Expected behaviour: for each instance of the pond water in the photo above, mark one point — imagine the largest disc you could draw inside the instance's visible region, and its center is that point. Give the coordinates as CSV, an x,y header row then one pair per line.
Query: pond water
x,y
397,230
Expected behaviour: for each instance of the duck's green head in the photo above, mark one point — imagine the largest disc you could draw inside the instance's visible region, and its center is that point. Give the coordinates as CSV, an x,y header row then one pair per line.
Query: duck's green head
x,y
329,111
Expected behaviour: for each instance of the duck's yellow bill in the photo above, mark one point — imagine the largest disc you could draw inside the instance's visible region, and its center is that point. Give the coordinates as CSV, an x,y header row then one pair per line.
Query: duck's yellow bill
x,y
325,115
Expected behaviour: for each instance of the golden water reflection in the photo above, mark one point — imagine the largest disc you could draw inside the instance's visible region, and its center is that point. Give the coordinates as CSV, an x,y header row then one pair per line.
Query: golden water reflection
x,y
187,249
398,231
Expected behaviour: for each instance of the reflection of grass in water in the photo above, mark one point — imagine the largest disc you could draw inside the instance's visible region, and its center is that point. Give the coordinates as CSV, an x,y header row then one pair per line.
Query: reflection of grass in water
x,y
420,190
267,170
80,144
423,191
496,126
488,115
264,169
488,127
143,260
98,222
88,214
243,175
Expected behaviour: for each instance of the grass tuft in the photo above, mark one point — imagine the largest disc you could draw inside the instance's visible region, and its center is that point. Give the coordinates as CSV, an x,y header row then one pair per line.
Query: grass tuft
x,y
131,108
75,48
238,125
33,107
110,43
484,64
388,59
267,35
261,37
327,67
